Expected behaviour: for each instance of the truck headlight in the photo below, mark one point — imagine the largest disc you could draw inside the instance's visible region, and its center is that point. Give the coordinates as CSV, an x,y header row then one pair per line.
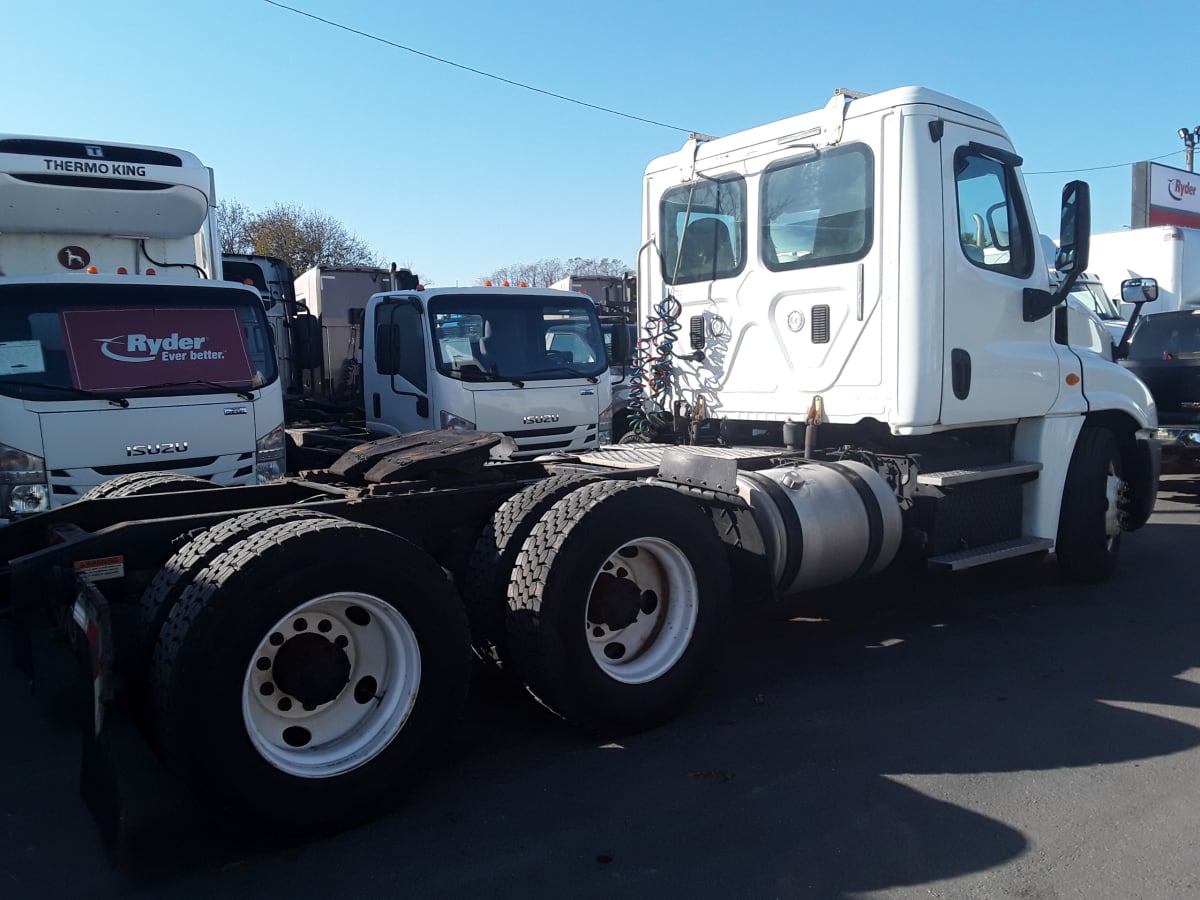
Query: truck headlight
x,y
451,422
604,428
270,451
23,486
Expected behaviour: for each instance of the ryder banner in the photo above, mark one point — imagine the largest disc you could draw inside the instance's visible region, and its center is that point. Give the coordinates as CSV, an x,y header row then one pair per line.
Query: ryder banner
x,y
127,348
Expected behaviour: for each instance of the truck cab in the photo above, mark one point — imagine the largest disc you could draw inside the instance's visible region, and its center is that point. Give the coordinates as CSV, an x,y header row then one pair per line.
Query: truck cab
x,y
869,275
121,350
526,362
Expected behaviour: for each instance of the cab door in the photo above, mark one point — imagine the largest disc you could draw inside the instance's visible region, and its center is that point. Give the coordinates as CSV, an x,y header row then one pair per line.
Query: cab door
x,y
995,365
397,368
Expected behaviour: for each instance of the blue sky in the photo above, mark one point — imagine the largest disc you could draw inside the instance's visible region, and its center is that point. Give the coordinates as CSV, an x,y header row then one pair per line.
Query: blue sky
x,y
457,175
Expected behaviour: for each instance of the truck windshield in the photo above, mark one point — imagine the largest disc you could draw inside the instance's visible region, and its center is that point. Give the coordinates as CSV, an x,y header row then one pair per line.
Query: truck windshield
x,y
63,341
518,337
1092,295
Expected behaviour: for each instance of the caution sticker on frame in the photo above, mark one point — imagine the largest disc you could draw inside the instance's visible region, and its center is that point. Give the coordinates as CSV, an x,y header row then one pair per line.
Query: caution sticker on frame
x,y
105,568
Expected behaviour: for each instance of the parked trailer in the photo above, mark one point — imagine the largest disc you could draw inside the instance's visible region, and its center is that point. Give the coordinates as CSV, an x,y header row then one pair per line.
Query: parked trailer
x,y
1167,253
296,650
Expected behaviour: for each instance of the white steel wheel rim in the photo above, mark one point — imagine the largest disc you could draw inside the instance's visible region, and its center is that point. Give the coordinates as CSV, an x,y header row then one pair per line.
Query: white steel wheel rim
x,y
381,659
1113,488
637,648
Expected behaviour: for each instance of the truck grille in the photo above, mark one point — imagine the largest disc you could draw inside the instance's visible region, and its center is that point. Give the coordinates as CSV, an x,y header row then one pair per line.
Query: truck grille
x,y
534,441
71,484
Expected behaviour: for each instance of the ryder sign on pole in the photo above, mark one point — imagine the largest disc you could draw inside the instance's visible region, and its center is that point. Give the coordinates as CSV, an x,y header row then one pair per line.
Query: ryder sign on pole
x,y
124,349
1163,195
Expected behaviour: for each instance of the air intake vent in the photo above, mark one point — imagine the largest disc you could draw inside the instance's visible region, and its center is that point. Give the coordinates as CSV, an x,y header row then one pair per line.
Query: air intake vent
x,y
696,332
106,184
820,324
72,150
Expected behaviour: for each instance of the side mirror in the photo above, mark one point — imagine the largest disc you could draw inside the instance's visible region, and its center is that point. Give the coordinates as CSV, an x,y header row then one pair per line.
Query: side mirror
x,y
620,350
387,349
1139,290
1075,228
306,341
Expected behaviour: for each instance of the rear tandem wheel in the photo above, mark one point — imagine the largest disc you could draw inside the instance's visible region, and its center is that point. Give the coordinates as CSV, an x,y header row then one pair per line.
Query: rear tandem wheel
x,y
615,605
308,670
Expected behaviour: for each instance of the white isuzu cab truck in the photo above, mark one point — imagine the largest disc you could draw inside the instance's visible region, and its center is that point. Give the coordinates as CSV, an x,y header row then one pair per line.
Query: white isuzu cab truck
x,y
852,355
121,351
530,363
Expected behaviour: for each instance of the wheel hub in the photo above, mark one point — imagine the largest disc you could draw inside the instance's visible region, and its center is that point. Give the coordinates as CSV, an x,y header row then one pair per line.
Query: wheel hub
x,y
616,602
311,669
1113,490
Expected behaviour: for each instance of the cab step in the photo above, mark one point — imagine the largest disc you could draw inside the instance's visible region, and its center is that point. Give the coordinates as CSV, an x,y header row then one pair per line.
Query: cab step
x,y
990,553
953,477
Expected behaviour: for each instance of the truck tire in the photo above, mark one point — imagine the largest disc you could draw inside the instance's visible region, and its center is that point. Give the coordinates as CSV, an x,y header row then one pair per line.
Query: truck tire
x,y
135,484
189,560
615,605
1089,523
485,588
308,671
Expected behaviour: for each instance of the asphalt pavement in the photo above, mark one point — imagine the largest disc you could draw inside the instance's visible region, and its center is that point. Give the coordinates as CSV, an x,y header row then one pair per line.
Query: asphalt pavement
x,y
991,734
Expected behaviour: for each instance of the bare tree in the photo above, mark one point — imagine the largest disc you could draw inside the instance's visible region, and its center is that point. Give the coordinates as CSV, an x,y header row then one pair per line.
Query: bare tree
x,y
546,272
303,237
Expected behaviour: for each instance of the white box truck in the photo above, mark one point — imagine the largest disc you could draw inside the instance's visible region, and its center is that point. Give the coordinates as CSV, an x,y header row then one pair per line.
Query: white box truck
x,y
1168,253
121,351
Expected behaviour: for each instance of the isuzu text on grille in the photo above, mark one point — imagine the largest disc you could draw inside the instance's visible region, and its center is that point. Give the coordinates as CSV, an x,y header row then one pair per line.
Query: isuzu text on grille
x,y
155,449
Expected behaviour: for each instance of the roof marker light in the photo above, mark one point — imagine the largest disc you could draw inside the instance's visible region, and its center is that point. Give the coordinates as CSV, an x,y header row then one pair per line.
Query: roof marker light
x,y
91,270
121,270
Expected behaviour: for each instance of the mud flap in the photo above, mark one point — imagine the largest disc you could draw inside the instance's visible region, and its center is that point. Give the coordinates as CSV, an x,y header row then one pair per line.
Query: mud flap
x,y
93,641
125,788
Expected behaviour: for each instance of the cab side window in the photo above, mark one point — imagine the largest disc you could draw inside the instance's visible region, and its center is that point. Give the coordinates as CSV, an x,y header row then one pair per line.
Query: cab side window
x,y
704,230
818,210
993,225
400,343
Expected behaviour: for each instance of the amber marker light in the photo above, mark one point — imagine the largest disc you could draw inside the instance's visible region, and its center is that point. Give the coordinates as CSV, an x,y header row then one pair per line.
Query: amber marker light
x,y
151,272
1072,379
121,270
91,270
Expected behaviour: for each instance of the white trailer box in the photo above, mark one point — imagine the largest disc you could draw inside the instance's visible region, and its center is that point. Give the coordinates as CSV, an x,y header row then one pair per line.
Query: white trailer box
x,y
338,296
1165,252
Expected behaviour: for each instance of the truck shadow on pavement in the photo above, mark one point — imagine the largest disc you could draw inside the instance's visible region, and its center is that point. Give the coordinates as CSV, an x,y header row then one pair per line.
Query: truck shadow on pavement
x,y
807,768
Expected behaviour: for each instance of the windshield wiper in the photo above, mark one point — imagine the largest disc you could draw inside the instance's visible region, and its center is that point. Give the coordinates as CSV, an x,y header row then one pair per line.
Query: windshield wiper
x,y
474,374
70,389
223,388
594,379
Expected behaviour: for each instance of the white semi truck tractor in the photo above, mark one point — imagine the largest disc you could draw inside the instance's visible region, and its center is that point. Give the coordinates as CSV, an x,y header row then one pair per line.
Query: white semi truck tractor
x,y
840,367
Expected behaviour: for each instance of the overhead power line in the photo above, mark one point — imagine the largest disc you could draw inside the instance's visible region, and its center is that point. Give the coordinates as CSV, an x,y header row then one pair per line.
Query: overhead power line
x,y
584,103
1098,168
465,68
